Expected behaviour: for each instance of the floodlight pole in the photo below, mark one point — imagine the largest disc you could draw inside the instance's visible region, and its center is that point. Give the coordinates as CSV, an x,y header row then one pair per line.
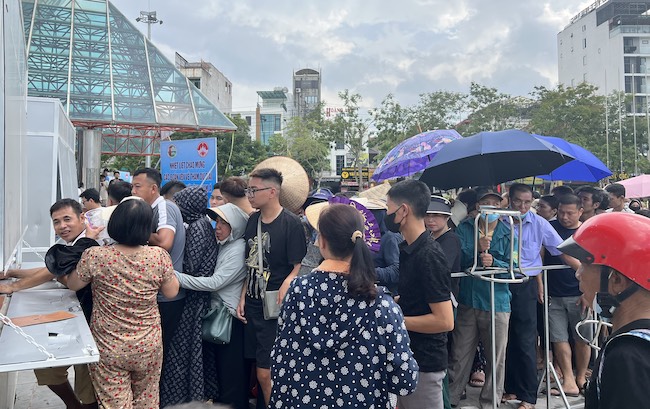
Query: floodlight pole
x,y
149,18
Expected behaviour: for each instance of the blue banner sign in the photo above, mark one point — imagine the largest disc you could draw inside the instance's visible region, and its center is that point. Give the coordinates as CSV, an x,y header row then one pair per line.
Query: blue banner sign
x,y
191,161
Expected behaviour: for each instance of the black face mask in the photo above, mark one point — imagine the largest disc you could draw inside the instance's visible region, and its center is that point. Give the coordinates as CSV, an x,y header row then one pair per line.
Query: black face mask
x,y
389,221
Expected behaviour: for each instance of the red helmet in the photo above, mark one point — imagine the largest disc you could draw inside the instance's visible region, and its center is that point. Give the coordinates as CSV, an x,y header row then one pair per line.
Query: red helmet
x,y
617,240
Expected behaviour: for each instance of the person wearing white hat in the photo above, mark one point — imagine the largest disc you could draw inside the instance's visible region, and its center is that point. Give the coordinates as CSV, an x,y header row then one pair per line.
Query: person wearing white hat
x,y
225,285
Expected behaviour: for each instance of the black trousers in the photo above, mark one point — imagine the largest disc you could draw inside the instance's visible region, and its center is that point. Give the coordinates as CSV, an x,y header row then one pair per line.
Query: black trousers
x,y
170,316
232,370
521,356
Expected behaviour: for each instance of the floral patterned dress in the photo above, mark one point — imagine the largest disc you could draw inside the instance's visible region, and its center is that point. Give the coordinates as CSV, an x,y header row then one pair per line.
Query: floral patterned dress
x,y
126,323
333,351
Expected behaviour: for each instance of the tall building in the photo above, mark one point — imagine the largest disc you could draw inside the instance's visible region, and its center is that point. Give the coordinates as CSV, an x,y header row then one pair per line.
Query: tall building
x,y
608,45
212,82
306,91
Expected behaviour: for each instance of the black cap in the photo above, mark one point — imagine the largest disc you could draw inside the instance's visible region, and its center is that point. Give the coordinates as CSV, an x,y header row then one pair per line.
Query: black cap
x,y
439,205
485,191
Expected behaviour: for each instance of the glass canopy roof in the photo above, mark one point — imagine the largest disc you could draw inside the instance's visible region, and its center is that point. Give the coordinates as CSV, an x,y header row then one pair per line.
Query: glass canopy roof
x,y
106,72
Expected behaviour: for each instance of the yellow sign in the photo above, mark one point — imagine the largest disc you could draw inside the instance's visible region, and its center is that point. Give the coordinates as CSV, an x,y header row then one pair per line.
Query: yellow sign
x,y
353,173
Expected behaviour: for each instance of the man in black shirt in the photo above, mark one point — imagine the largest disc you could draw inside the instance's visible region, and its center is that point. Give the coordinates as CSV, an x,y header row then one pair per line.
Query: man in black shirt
x,y
566,305
614,252
424,286
283,248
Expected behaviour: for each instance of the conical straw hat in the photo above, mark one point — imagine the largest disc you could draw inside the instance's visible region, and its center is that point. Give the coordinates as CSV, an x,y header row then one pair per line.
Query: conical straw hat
x,y
295,184
378,192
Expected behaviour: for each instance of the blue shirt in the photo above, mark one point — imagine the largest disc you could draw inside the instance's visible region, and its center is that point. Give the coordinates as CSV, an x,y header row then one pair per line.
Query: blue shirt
x,y
474,292
537,233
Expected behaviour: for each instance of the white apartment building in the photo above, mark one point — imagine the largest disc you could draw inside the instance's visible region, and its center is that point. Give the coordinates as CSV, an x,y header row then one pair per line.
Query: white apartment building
x,y
608,45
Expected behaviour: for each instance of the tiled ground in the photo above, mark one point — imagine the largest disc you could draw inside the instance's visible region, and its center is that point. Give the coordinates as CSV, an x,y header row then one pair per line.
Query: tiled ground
x,y
31,396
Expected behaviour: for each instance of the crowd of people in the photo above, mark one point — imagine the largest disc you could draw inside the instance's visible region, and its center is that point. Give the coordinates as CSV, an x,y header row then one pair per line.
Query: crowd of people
x,y
356,327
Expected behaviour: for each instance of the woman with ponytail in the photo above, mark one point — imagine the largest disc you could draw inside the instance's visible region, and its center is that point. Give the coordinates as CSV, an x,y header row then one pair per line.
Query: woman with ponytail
x,y
341,340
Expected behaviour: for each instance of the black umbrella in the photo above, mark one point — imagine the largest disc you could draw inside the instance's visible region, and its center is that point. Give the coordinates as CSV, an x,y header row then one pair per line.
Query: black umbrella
x,y
489,158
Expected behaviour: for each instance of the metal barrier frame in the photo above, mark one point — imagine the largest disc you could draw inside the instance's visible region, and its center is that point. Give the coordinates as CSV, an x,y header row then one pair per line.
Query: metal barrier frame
x,y
517,275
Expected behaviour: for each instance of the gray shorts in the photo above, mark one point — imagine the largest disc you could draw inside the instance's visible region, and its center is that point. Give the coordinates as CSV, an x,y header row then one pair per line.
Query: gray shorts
x,y
427,394
563,315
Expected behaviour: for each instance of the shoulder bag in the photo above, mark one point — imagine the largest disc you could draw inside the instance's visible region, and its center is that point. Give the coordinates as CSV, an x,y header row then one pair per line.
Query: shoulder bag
x,y
217,325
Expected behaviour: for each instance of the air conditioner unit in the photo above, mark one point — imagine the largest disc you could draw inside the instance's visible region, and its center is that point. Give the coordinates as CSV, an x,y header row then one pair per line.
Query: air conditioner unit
x,y
298,90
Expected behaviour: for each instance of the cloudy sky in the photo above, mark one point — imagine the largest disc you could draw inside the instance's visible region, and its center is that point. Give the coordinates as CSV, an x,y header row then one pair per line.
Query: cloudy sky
x,y
373,47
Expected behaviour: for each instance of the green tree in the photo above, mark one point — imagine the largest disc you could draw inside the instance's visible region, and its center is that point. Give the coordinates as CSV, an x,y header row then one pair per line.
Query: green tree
x,y
237,154
490,110
303,142
393,124
308,145
577,114
439,110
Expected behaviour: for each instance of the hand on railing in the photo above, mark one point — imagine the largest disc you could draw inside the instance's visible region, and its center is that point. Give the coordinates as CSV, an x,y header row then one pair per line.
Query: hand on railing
x,y
486,259
484,244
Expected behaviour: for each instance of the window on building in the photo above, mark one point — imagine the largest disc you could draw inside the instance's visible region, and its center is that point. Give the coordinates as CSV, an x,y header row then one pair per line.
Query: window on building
x,y
229,88
340,162
584,27
584,77
248,120
196,82
269,124
584,60
340,145
311,100
584,43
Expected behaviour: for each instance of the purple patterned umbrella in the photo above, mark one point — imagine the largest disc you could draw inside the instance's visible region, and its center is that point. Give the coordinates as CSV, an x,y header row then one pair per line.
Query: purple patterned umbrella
x,y
413,155
372,235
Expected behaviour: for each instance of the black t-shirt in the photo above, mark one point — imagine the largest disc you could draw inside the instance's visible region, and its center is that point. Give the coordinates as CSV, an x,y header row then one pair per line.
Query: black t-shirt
x,y
561,283
284,245
424,278
626,372
450,243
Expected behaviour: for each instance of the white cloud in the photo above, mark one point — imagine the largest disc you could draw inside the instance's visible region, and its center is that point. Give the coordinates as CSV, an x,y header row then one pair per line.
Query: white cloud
x,y
379,47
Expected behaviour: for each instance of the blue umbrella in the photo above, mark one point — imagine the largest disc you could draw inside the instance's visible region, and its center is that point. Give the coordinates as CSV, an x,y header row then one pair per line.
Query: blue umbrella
x,y
413,154
489,158
585,168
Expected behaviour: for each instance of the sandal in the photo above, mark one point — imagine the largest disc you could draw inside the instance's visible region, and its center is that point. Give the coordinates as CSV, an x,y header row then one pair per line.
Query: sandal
x,y
507,397
525,405
556,392
477,380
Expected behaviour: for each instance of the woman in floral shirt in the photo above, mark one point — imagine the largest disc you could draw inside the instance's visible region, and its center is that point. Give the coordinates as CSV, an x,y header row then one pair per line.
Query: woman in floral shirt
x,y
341,341
125,323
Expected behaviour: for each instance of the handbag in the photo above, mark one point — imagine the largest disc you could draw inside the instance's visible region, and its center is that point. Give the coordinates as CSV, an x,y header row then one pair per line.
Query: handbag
x,y
217,325
269,298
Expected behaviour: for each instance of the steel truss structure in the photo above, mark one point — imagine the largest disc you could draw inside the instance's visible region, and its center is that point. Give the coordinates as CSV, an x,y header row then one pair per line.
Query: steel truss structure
x,y
109,76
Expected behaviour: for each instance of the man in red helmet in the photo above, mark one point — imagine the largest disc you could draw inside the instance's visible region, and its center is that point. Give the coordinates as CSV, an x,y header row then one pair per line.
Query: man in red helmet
x,y
614,251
